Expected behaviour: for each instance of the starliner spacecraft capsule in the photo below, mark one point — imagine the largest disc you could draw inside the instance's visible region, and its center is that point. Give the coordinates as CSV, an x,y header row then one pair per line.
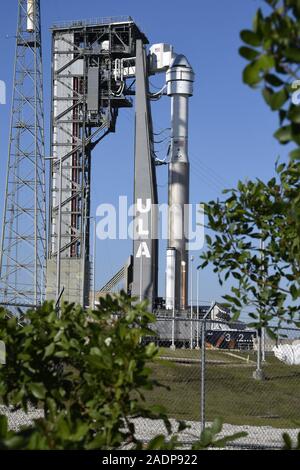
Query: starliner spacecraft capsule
x,y
180,78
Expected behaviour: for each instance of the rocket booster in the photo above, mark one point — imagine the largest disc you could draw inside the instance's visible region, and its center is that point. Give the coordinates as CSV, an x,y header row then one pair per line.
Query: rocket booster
x,y
180,78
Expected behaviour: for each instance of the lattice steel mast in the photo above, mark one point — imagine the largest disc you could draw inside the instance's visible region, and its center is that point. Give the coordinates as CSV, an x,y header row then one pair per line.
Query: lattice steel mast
x,y
23,242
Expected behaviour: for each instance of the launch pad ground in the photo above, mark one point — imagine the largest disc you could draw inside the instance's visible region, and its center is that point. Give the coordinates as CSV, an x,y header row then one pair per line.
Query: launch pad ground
x,y
258,437
231,391
264,409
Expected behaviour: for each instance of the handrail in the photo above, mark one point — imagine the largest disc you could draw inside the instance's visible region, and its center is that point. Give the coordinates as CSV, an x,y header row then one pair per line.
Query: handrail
x,y
93,21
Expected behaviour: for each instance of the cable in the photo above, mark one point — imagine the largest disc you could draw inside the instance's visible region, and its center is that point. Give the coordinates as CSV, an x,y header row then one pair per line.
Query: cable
x,y
210,176
161,132
212,184
120,90
162,141
199,162
206,174
155,86
158,93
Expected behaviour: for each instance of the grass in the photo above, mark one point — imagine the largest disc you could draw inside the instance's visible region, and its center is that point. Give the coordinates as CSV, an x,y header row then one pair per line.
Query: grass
x,y
231,391
212,355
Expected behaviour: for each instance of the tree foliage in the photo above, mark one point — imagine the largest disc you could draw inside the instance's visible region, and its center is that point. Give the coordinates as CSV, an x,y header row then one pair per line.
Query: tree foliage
x,y
256,228
87,371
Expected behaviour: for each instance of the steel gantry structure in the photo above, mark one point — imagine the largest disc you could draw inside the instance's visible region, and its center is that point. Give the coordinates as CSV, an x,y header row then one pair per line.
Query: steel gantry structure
x,y
92,78
23,241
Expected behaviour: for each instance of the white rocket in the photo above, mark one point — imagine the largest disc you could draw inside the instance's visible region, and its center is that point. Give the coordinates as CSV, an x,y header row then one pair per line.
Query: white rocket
x,y
179,81
180,78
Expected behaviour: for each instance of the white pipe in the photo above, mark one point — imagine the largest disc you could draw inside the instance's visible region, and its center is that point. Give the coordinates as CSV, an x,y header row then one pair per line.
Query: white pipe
x,y
30,15
170,278
192,306
94,263
180,120
197,324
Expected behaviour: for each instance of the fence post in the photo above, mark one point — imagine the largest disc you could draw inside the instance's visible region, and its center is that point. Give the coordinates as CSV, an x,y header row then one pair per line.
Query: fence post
x,y
263,345
258,374
203,365
173,329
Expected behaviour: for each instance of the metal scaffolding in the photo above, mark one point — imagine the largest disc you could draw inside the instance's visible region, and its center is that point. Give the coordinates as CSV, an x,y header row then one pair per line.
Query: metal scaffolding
x,y
23,242
88,89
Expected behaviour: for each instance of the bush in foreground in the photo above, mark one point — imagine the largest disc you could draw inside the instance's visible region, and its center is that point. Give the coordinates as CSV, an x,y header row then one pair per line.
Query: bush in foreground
x,y
87,371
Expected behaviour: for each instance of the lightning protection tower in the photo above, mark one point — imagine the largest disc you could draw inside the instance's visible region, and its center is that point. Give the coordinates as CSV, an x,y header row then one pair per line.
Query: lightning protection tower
x,y
22,253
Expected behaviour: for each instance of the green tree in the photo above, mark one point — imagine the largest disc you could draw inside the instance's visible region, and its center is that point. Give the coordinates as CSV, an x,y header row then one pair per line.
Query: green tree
x,y
87,371
255,237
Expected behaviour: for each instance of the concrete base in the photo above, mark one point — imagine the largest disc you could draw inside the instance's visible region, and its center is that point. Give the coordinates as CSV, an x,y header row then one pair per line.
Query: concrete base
x,y
71,280
258,375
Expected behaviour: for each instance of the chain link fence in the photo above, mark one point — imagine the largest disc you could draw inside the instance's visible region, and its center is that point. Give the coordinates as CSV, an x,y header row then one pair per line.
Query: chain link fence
x,y
208,369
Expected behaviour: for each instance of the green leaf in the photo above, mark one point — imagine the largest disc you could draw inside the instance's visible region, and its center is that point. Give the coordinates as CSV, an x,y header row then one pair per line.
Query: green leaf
x,y
14,442
151,350
248,53
287,440
294,292
61,354
227,439
251,38
296,133
295,154
95,351
284,134
280,168
236,275
206,437
182,426
278,99
49,350
157,442
294,114
265,62
293,54
298,441
3,426
258,21
38,390
271,333
81,431
267,94
251,75
273,80
208,240
217,426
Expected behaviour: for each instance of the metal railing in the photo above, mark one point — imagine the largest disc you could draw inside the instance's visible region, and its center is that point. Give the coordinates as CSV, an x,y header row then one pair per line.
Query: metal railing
x,y
92,22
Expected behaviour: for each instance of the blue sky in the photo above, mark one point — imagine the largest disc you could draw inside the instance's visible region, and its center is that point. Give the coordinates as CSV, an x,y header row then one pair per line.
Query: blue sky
x,y
230,126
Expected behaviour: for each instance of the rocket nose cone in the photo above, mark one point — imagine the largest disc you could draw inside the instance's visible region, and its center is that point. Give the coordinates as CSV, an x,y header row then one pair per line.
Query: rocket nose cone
x,y
181,61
